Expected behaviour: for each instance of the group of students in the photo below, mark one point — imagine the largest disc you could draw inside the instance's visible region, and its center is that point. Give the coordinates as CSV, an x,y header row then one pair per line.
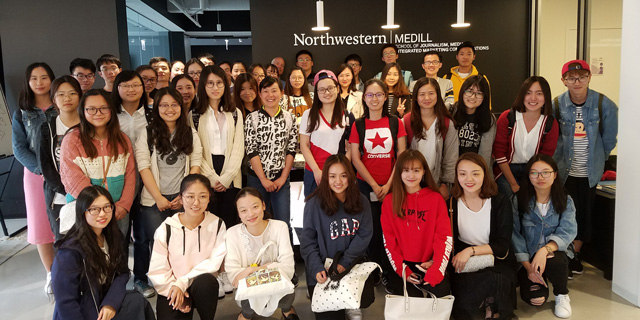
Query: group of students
x,y
177,157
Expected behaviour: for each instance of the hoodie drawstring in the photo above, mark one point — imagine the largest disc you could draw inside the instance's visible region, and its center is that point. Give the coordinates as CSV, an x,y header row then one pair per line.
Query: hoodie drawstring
x,y
199,238
184,241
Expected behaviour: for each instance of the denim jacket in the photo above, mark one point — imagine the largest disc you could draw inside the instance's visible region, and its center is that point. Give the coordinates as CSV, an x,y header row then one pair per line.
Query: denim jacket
x,y
600,144
26,135
535,231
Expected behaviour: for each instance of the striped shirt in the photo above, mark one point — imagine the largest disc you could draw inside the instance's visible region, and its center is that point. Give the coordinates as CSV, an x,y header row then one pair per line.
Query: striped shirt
x,y
580,147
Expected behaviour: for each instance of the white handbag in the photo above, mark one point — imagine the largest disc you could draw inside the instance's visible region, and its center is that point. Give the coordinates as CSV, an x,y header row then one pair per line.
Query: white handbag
x,y
264,288
346,292
412,308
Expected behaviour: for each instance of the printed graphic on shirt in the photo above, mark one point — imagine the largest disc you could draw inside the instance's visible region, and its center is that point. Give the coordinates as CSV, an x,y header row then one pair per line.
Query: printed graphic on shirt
x,y
378,143
341,228
271,138
296,105
469,137
419,213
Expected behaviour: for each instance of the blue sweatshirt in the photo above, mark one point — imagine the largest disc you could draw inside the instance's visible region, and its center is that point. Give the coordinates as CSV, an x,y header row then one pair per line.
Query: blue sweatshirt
x,y
323,235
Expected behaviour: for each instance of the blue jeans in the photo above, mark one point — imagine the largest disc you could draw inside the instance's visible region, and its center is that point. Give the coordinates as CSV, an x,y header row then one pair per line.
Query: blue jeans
x,y
148,220
278,203
309,183
518,171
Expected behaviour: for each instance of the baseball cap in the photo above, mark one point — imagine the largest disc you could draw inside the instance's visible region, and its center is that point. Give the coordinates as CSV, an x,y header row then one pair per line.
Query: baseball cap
x,y
575,65
324,74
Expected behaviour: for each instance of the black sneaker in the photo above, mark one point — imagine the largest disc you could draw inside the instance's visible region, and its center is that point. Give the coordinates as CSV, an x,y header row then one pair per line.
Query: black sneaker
x,y
570,274
575,264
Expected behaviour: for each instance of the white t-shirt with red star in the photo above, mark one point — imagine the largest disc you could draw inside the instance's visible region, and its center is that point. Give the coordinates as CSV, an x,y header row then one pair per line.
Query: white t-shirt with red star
x,y
379,156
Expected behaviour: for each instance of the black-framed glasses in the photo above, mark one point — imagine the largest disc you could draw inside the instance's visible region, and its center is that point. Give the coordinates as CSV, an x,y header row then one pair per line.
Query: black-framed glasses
x,y
94,211
194,73
92,111
582,79
130,86
431,63
471,93
544,174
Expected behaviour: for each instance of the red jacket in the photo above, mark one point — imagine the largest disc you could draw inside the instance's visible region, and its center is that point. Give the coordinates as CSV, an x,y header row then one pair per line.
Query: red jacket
x,y
503,145
423,234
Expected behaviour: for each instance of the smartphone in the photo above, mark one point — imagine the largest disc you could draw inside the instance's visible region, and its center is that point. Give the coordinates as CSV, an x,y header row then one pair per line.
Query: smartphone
x,y
373,196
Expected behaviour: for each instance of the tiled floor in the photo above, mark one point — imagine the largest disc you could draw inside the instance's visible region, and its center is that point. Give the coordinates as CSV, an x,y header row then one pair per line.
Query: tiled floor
x,y
22,297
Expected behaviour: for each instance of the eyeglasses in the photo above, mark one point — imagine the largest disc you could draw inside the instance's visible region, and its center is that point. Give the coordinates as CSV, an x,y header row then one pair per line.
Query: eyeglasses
x,y
130,86
304,60
330,89
112,69
258,75
70,94
431,63
149,80
194,73
389,54
190,199
218,84
166,105
470,93
81,76
573,80
544,174
296,78
94,211
354,65
370,96
92,111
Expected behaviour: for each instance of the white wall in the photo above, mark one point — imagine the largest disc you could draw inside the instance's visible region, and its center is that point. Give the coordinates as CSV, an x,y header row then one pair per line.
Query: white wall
x,y
626,260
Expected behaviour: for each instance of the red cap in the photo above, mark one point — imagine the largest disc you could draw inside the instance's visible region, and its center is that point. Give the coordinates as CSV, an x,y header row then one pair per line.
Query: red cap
x,y
575,65
324,74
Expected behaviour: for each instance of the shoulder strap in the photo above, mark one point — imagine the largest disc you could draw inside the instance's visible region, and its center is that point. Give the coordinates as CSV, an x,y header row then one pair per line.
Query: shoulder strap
x,y
600,98
393,126
168,233
360,129
264,248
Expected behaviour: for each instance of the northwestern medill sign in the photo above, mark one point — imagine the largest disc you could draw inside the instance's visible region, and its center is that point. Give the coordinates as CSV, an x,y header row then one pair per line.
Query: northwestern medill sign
x,y
500,31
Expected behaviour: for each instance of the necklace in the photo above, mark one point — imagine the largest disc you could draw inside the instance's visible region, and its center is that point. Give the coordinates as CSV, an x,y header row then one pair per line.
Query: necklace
x,y
467,205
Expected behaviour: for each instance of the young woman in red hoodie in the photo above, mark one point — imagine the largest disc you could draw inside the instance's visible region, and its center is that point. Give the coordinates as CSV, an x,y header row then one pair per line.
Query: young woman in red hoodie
x,y
416,228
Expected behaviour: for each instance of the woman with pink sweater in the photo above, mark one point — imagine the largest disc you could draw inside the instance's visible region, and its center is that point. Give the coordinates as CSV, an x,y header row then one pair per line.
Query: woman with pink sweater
x,y
96,152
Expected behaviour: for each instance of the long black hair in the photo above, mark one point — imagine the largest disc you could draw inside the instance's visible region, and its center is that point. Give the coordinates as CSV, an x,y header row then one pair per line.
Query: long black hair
x,y
558,194
124,76
316,107
439,109
160,137
203,101
27,100
98,265
87,131
385,105
483,118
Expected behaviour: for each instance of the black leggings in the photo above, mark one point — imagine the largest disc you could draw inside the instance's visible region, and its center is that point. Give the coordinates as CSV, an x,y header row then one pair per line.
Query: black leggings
x,y
556,271
204,297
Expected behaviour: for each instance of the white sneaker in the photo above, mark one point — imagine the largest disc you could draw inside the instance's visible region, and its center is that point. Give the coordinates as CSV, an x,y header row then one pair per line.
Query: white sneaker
x,y
226,284
563,306
354,314
48,290
221,292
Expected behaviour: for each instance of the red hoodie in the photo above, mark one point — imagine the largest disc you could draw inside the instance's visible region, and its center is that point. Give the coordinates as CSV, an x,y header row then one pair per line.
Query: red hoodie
x,y
424,233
